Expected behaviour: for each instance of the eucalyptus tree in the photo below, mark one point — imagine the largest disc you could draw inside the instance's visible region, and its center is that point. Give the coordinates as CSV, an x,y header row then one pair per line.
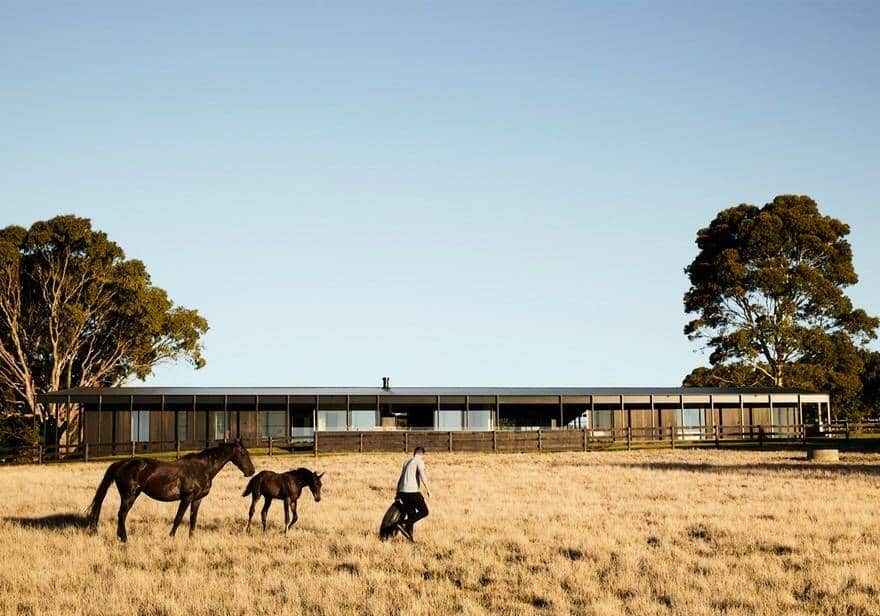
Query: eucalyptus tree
x,y
768,299
75,312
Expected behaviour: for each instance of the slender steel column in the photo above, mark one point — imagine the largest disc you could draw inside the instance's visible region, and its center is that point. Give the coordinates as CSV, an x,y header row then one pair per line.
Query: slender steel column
x,y
259,419
378,411
287,418
227,429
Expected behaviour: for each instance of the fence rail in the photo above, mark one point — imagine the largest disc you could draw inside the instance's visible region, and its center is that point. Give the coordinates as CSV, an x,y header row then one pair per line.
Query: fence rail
x,y
580,439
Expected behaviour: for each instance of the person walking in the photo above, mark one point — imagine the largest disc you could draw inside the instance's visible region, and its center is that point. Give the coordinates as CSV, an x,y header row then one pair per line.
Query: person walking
x,y
412,479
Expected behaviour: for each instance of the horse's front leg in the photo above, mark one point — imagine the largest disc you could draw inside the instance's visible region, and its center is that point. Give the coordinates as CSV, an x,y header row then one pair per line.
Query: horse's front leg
x,y
193,515
181,509
286,514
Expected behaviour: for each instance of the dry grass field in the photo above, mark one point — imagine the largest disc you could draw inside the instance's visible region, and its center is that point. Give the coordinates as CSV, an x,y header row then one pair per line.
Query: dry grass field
x,y
684,532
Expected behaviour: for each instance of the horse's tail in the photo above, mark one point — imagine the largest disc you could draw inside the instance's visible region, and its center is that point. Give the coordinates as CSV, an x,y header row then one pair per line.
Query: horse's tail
x,y
94,511
253,485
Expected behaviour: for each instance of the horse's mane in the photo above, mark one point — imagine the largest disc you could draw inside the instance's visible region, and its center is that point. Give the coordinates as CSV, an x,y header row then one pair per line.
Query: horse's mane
x,y
301,475
206,453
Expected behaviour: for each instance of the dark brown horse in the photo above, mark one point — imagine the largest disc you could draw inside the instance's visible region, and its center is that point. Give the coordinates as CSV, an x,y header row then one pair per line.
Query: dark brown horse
x,y
286,487
187,480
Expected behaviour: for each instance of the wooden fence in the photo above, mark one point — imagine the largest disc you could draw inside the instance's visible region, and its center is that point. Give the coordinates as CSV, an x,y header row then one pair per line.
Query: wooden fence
x,y
499,440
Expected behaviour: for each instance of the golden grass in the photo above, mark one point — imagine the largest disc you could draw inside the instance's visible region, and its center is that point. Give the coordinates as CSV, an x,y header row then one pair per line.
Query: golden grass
x,y
655,532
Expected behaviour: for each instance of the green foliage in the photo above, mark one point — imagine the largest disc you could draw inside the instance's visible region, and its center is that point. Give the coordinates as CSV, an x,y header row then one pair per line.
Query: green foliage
x,y
871,383
18,438
767,292
75,312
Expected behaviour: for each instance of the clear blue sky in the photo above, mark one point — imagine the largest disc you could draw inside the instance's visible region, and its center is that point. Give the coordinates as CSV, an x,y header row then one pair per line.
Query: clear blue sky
x,y
449,194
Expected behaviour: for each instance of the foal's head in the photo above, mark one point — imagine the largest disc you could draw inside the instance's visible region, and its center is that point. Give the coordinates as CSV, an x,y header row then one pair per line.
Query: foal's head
x,y
315,484
241,458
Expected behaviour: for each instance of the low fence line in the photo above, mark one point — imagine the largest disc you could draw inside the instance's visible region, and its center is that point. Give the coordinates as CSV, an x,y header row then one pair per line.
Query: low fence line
x,y
565,439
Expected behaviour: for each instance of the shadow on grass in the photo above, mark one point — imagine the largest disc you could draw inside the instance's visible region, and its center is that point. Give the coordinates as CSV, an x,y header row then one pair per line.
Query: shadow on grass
x,y
56,521
805,467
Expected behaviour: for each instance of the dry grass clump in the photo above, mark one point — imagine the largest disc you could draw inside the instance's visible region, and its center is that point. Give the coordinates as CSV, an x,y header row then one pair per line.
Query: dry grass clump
x,y
657,532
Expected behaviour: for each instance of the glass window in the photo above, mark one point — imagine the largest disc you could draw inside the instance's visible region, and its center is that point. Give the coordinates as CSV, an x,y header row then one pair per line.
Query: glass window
x,y
603,420
331,421
449,420
140,426
690,422
363,420
181,425
479,420
220,425
273,424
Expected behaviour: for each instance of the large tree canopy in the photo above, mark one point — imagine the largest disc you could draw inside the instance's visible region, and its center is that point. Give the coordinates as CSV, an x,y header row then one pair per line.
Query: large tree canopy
x,y
767,292
75,312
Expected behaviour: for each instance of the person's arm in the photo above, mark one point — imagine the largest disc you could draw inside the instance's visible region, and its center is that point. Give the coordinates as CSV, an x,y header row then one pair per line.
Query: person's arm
x,y
423,478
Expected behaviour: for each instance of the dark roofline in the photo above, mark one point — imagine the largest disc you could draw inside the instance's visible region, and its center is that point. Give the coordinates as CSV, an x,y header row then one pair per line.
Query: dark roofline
x,y
91,392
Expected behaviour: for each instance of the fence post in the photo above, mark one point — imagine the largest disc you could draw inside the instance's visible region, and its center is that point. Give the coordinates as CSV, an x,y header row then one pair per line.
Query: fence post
x,y
629,437
539,440
40,453
672,435
405,441
450,440
315,433
846,428
494,440
133,445
361,443
585,439
761,435
717,435
270,445
85,452
177,449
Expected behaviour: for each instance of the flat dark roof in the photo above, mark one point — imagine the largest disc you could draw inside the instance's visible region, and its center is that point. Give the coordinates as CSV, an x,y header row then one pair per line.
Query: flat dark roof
x,y
90,392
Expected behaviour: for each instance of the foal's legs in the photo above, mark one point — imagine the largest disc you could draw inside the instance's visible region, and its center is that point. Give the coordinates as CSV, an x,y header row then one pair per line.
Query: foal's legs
x,y
293,516
286,502
193,514
292,505
181,509
265,510
254,500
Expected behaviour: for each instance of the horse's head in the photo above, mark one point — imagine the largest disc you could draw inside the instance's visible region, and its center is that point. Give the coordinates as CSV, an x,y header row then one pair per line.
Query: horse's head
x,y
315,485
241,458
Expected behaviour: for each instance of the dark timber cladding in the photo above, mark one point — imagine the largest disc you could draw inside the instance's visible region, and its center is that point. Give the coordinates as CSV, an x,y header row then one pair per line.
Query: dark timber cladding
x,y
143,419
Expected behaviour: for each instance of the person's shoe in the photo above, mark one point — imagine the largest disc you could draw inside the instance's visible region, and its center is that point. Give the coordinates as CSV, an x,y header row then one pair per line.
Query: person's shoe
x,y
404,532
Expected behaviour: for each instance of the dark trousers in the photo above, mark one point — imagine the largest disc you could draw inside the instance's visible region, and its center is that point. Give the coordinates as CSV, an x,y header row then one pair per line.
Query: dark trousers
x,y
414,507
